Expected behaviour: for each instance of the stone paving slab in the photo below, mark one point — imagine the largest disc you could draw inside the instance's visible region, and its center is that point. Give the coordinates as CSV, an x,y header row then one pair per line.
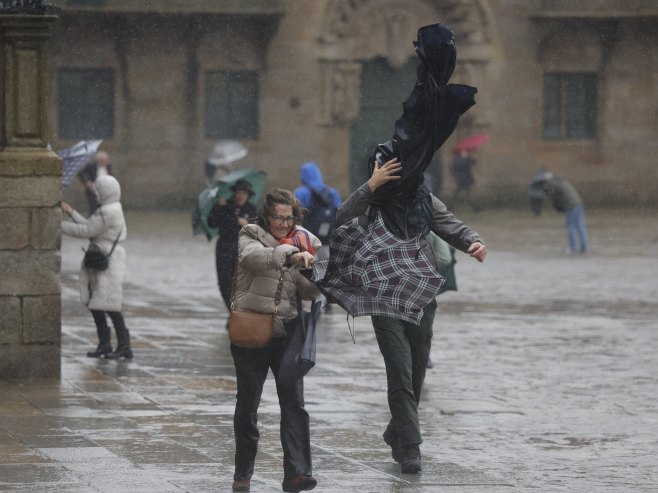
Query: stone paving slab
x,y
544,376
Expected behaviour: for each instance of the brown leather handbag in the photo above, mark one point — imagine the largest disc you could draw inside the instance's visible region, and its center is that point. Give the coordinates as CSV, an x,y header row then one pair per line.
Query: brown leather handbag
x,y
251,329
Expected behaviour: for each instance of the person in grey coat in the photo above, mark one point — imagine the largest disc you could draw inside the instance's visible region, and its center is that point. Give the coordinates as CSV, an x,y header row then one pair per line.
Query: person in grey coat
x,y
405,346
565,199
102,290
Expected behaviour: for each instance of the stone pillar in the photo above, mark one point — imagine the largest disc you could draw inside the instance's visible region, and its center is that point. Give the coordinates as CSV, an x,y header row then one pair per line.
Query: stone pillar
x,y
30,194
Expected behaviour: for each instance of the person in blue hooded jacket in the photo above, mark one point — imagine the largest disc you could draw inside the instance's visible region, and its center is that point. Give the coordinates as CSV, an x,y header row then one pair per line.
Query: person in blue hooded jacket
x,y
321,203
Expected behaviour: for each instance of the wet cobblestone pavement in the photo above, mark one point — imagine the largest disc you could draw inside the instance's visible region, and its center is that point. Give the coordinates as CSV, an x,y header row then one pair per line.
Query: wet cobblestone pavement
x,y
544,376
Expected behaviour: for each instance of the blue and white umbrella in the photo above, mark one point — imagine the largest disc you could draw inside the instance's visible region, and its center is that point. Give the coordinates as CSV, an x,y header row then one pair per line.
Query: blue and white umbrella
x,y
76,157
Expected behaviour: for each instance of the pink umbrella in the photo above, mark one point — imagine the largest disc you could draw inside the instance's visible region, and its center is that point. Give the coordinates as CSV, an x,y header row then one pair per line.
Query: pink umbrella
x,y
472,143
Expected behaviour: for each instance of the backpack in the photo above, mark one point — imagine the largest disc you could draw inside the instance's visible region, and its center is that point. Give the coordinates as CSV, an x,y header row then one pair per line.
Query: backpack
x,y
321,216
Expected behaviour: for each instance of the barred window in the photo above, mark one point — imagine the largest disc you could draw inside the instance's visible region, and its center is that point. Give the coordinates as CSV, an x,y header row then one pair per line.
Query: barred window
x,y
87,3
231,105
85,103
570,105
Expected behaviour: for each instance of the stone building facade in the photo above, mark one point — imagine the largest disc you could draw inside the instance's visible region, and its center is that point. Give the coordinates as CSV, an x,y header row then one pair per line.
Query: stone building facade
x,y
30,326
572,86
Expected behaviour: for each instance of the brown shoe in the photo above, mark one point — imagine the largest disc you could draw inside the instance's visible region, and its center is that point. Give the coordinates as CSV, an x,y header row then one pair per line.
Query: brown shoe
x,y
241,485
299,483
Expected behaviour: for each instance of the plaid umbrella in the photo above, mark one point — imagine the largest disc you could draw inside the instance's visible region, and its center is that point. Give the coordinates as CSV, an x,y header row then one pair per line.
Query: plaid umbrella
x,y
75,158
372,272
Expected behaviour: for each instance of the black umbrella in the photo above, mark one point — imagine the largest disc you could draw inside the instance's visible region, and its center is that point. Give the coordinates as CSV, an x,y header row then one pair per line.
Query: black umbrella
x,y
429,117
299,356
430,114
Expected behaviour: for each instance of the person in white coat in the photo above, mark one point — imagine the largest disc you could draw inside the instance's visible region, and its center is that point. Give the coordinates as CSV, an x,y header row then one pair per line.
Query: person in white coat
x,y
101,290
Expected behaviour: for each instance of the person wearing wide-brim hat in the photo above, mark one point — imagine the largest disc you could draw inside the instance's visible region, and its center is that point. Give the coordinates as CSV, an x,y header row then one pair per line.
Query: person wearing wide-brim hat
x,y
229,215
243,185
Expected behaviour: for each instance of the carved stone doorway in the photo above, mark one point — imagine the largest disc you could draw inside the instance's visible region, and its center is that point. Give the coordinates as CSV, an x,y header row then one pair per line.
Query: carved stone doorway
x,y
383,89
372,35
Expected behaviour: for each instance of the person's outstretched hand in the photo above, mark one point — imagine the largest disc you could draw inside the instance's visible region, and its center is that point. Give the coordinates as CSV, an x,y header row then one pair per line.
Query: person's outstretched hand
x,y
384,174
302,259
66,208
478,251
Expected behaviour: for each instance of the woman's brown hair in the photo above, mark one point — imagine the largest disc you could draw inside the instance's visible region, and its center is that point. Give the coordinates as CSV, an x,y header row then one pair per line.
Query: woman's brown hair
x,y
279,196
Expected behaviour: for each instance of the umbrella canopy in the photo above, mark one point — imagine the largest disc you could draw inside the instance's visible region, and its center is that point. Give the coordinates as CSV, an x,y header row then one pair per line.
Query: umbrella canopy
x,y
225,152
472,143
372,272
76,157
222,157
222,188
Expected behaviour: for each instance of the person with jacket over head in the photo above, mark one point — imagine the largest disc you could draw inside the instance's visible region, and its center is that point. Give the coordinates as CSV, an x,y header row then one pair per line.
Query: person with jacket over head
x,y
229,216
270,252
380,256
405,346
102,290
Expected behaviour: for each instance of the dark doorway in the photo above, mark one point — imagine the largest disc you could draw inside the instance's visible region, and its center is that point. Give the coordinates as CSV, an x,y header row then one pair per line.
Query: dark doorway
x,y
383,90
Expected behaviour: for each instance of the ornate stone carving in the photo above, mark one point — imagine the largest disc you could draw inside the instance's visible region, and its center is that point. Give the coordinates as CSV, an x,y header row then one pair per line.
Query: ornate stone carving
x,y
363,18
340,92
25,74
357,30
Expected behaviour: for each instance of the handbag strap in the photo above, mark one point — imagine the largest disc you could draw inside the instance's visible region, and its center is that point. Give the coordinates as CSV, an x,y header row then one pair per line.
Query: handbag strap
x,y
115,241
234,290
113,244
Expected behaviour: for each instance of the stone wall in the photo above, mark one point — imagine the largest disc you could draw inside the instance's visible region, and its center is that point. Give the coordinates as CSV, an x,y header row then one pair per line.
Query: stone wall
x,y
310,59
30,307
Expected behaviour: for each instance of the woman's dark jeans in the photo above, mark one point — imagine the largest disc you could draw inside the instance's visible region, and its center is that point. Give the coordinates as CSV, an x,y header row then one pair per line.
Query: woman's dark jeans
x,y
251,367
405,347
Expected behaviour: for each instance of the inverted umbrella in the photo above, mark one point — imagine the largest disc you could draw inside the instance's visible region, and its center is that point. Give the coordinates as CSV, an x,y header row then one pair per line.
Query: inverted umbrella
x,y
75,158
429,117
226,151
223,155
372,272
222,188
472,142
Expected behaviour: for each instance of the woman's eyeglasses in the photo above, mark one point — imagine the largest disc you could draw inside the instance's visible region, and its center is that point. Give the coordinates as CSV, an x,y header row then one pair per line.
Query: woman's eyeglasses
x,y
284,219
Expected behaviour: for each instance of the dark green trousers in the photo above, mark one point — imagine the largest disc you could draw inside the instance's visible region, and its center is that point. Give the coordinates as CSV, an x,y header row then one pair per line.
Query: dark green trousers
x,y
405,348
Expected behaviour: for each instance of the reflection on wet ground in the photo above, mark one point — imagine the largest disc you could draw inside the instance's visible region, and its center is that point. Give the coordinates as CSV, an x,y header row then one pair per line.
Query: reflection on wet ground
x,y
544,376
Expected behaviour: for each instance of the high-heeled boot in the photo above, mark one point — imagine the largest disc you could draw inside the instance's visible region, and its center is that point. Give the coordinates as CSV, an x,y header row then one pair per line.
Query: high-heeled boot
x,y
103,349
123,337
103,331
121,352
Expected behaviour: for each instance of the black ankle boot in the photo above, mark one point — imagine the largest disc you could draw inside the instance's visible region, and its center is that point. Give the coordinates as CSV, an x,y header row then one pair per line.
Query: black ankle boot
x,y
397,452
101,350
411,461
121,352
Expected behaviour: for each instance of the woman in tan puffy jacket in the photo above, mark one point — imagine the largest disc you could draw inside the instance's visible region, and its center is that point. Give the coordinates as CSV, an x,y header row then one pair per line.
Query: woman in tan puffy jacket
x,y
273,248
